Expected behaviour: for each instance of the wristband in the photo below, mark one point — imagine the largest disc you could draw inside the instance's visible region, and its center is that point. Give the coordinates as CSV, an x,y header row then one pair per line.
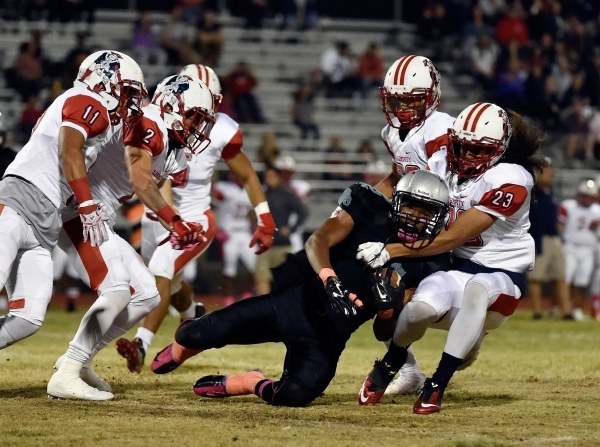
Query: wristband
x,y
326,273
262,208
81,189
167,214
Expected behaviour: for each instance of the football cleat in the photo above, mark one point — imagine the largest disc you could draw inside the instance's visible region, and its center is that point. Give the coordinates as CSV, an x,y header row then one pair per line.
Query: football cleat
x,y
164,363
88,375
410,382
200,310
430,400
211,386
66,385
133,351
376,383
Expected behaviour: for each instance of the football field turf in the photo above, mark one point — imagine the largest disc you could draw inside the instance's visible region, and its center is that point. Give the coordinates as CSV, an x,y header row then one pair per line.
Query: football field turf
x,y
534,384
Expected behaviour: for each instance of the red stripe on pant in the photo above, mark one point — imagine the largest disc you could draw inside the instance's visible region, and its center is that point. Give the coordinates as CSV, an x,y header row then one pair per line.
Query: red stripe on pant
x,y
1,208
187,256
91,257
505,305
19,303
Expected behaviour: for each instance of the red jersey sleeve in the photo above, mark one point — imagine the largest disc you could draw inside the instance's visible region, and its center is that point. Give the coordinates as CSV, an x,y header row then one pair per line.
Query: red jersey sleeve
x,y
437,144
505,200
562,214
234,146
86,114
145,135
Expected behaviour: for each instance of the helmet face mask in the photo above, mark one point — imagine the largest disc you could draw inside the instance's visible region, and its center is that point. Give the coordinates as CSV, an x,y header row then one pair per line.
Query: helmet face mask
x,y
186,106
130,104
479,139
411,92
419,208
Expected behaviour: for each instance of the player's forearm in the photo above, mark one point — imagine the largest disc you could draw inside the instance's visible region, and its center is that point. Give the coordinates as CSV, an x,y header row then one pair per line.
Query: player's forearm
x,y
254,189
317,251
166,191
442,244
72,161
148,193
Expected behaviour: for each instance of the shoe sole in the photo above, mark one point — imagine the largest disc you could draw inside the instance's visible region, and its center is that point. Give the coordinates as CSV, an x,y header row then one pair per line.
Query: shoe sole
x,y
127,350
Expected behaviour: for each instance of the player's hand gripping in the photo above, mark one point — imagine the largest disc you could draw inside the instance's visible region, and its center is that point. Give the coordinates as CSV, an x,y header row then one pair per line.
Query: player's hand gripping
x,y
265,229
388,290
93,218
342,302
373,254
186,235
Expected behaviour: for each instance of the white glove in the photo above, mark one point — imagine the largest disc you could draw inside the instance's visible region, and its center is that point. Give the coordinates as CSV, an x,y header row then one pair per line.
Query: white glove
x,y
373,254
93,217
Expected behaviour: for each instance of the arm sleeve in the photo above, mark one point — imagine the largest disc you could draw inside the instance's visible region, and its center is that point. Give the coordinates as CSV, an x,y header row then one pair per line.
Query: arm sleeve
x,y
437,144
85,114
351,202
562,214
234,146
503,192
145,135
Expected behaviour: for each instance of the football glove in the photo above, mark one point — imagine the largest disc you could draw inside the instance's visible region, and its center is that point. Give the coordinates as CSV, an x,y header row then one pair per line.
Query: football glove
x,y
388,292
186,235
93,217
341,301
264,233
373,254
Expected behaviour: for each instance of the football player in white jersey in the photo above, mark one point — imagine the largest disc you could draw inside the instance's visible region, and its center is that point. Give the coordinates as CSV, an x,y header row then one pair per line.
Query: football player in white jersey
x,y
578,221
410,98
490,176
191,195
135,160
233,208
60,150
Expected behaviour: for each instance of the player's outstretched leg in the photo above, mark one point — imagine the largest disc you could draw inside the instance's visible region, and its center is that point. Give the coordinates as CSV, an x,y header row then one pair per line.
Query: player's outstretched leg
x,y
172,356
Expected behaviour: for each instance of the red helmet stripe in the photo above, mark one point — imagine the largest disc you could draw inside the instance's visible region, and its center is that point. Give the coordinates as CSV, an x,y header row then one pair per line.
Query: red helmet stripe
x,y
199,71
469,115
405,67
398,67
483,109
207,82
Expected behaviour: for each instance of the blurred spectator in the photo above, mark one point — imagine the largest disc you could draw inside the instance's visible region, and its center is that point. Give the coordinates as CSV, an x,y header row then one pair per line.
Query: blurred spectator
x,y
542,103
29,116
366,151
143,41
370,69
543,18
592,80
299,14
593,138
336,64
575,124
210,39
254,11
7,152
563,78
492,9
549,258
335,155
240,82
510,92
269,150
26,74
282,203
575,90
303,108
375,172
476,28
192,10
483,61
177,38
435,25
512,27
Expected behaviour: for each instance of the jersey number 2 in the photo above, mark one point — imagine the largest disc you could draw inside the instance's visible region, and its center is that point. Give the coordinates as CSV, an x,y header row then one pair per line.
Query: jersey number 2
x,y
503,199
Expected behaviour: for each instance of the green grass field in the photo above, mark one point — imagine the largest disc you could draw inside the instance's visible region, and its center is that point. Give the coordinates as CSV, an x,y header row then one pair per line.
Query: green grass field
x,y
534,383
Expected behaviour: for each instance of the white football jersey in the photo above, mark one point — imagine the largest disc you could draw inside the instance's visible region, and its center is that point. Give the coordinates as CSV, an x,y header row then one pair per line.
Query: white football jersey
x,y
577,221
504,191
420,143
109,178
191,188
232,207
38,162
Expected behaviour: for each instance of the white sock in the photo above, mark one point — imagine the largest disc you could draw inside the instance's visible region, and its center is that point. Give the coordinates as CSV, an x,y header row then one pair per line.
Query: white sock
x,y
146,336
190,312
96,322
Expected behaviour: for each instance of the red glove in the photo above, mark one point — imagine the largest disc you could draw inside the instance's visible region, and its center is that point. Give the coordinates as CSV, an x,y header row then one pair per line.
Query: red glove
x,y
264,230
186,235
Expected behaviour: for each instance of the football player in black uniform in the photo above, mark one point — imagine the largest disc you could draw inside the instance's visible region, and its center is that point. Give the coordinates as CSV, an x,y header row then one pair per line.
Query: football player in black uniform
x,y
323,294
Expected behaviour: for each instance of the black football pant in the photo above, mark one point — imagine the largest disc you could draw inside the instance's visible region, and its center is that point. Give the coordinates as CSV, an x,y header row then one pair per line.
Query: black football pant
x,y
290,317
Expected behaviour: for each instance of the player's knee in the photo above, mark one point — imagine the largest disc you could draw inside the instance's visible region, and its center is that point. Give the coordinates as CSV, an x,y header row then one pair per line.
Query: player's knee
x,y
476,294
293,394
419,312
14,328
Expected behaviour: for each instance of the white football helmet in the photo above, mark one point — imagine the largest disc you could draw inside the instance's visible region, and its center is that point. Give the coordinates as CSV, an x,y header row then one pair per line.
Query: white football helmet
x,y
411,92
209,77
186,106
479,138
285,162
420,207
587,188
118,80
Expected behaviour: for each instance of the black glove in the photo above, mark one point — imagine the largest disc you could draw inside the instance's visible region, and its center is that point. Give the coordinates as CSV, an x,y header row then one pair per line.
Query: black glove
x,y
387,294
339,298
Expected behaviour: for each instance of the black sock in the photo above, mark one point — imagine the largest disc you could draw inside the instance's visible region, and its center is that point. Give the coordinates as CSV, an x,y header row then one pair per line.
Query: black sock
x,y
446,369
396,356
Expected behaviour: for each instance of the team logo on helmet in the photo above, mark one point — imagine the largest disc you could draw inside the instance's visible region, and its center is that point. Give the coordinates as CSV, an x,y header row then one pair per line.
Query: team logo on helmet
x,y
170,94
106,66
